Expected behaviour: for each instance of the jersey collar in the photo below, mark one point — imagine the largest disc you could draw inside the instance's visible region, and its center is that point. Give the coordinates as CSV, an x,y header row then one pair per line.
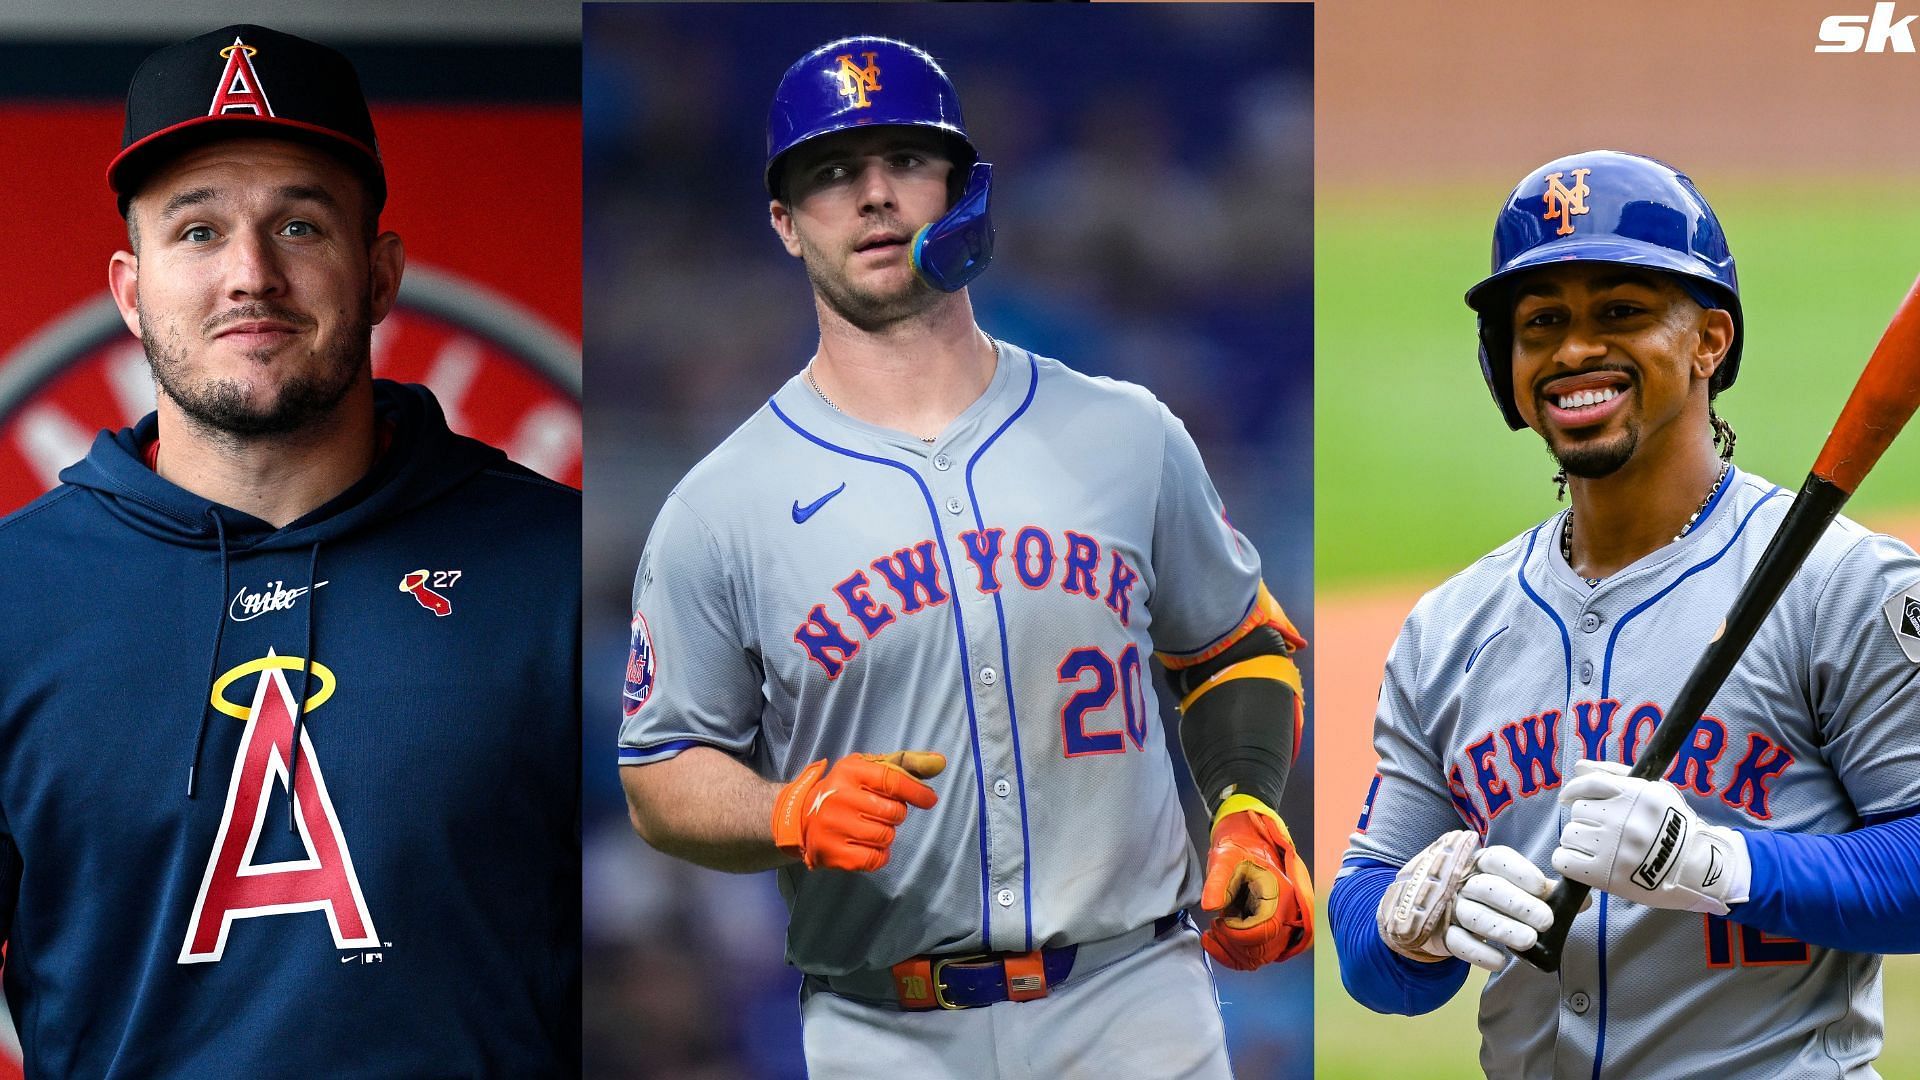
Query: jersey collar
x,y
1002,395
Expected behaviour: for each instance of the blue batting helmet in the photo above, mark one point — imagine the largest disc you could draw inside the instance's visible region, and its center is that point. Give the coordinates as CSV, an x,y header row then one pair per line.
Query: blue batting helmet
x,y
861,82
1602,206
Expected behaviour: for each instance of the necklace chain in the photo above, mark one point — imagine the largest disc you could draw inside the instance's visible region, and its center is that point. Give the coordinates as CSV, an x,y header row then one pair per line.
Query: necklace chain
x,y
1566,528
815,383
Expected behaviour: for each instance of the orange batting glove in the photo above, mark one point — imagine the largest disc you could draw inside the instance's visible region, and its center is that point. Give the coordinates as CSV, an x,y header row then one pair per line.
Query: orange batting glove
x,y
1259,886
844,817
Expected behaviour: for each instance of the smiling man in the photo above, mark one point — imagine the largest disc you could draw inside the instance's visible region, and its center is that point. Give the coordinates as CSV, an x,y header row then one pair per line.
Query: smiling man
x,y
299,799
891,639
1747,893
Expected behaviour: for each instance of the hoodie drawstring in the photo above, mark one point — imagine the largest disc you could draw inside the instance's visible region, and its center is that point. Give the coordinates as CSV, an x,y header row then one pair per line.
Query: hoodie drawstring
x,y
300,713
213,661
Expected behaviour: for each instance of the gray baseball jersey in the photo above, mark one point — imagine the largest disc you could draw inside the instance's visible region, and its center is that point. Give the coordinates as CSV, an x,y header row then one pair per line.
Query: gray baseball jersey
x,y
819,586
1506,675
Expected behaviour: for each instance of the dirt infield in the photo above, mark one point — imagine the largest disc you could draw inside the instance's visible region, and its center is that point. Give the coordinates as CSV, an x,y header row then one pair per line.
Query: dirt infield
x,y
1353,632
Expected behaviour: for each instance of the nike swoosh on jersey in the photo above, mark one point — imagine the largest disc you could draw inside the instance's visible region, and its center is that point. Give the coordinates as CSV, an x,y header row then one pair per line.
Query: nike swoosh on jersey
x,y
802,513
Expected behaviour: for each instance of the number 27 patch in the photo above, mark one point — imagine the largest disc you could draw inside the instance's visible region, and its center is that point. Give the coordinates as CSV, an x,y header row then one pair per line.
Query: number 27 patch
x,y
424,585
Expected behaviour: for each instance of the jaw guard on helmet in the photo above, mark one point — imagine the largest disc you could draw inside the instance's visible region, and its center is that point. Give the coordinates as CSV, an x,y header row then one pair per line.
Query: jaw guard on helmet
x,y
862,82
954,250
1602,206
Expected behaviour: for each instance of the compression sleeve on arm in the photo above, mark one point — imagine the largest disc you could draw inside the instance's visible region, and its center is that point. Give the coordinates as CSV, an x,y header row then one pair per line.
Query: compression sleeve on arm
x,y
1856,891
1375,975
1241,716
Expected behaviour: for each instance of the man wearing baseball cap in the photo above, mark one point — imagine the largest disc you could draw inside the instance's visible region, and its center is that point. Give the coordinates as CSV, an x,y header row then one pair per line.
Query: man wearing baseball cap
x,y
288,727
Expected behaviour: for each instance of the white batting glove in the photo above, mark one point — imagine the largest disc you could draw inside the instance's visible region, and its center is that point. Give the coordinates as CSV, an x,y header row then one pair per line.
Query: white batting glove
x,y
1418,908
1501,908
1640,841
1456,899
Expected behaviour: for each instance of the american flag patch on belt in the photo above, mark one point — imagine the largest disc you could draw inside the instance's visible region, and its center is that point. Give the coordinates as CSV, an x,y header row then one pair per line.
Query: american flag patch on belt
x,y
1027,984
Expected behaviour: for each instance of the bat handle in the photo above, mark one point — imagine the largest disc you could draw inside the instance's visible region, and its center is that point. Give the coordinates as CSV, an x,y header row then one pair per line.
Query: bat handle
x,y
1565,902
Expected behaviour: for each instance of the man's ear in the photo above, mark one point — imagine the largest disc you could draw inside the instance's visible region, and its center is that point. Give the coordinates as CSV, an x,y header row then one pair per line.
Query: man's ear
x,y
123,281
388,261
780,216
1714,343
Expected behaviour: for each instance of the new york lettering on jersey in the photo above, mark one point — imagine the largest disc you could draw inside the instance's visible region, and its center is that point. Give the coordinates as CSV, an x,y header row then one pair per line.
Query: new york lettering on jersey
x,y
991,596
1515,670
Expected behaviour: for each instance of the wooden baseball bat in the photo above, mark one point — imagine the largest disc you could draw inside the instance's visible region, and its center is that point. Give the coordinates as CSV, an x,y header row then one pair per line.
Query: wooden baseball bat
x,y
1881,403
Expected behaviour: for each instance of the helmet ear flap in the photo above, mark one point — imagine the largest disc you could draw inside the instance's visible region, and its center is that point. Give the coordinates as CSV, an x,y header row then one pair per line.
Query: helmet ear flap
x,y
957,248
1494,309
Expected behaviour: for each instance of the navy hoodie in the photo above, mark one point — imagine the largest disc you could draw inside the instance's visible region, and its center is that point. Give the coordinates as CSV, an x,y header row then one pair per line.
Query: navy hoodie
x,y
420,915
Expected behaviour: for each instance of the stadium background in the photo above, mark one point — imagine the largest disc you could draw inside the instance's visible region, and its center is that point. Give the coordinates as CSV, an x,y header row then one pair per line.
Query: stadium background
x,y
1153,206
479,128
1427,114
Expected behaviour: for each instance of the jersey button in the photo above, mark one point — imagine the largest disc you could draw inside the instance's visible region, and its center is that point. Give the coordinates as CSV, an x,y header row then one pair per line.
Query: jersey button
x,y
988,676
1002,788
1005,896
1589,622
1579,1003
953,506
1586,671
942,462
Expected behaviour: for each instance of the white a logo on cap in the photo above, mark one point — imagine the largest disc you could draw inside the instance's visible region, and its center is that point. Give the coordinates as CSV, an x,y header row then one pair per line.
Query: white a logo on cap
x,y
239,90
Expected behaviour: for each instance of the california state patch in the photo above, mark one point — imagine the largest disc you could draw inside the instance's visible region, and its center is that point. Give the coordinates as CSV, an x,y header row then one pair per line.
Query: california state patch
x,y
1903,615
640,668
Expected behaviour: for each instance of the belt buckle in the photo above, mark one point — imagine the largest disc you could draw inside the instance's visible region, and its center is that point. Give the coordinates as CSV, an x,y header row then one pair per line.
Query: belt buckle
x,y
940,965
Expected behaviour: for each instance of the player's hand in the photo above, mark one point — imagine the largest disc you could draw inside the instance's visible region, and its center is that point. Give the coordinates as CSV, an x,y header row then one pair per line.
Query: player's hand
x,y
1458,899
1641,841
1501,908
1258,884
844,817
1418,907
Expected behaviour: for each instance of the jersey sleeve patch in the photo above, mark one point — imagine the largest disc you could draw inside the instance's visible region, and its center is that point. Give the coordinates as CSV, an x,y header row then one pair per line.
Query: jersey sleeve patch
x,y
1903,616
640,669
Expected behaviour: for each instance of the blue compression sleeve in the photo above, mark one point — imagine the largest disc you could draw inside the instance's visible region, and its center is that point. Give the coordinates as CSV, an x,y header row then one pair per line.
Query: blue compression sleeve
x,y
1375,975
1857,891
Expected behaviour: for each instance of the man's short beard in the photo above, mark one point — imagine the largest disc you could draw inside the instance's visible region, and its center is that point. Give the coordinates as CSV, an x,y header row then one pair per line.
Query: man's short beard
x,y
220,406
1591,461
864,310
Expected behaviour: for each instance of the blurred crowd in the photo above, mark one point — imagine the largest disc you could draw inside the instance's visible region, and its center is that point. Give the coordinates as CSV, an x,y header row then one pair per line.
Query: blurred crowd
x,y
1153,199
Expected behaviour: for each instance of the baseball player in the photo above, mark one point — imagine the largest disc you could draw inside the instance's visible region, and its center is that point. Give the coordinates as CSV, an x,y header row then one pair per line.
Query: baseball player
x,y
286,778
1746,893
892,638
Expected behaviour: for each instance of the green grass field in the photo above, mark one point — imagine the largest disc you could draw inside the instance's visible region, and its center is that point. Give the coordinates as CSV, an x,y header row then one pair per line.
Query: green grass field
x,y
1416,475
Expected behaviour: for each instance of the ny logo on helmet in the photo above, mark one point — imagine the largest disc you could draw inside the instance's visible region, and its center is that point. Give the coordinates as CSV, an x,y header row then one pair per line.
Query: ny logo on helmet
x,y
857,82
1564,202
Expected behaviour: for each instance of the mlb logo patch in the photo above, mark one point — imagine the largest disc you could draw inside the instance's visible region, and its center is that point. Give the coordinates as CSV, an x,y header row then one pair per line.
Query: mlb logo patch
x,y
1903,616
640,671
